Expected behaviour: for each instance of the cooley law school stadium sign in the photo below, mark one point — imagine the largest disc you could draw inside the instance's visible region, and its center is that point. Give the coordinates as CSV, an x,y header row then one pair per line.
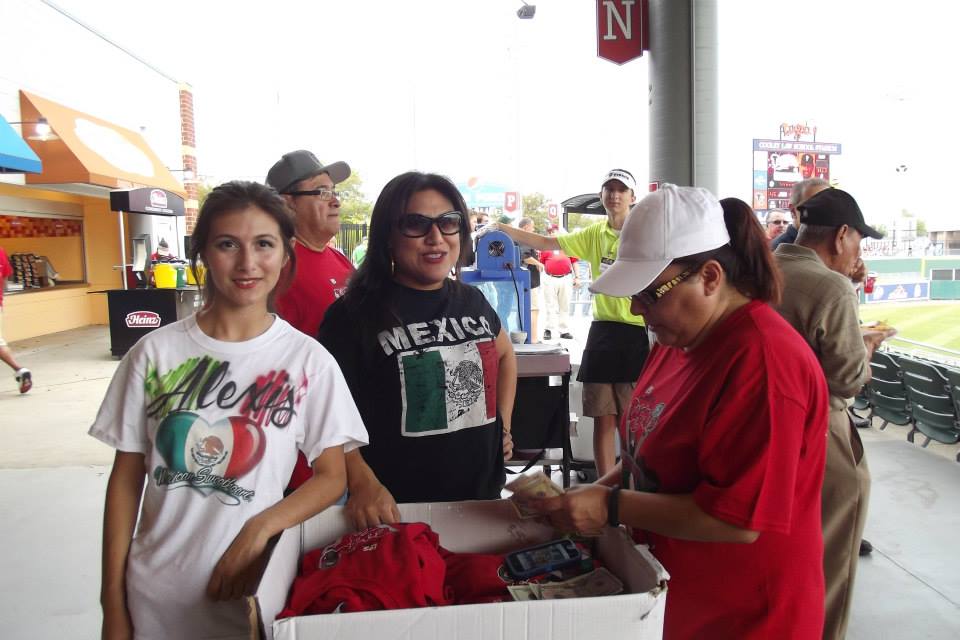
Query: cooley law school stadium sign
x,y
622,31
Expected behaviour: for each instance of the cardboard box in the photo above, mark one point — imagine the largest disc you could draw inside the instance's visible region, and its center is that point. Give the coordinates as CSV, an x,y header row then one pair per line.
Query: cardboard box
x,y
479,527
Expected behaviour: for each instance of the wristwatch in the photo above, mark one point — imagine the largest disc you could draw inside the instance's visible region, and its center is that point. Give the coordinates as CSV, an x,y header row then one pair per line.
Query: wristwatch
x,y
613,507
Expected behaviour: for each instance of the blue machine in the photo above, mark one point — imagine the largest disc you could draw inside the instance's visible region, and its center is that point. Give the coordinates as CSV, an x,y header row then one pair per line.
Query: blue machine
x,y
503,283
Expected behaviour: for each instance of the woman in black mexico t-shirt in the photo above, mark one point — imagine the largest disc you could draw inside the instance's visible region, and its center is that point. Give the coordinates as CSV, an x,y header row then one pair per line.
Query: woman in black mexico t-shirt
x,y
428,364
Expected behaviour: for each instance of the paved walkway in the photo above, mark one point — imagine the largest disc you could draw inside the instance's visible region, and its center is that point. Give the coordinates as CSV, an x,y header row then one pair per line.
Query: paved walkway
x,y
53,478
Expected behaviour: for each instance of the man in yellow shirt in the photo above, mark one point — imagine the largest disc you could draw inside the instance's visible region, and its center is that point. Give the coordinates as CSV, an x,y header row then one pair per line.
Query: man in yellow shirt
x,y
617,345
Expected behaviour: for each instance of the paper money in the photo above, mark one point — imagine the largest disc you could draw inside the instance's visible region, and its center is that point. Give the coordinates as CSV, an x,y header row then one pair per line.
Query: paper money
x,y
597,583
521,592
532,486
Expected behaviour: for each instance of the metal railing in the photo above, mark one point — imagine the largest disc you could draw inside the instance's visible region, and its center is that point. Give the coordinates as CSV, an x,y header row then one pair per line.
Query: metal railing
x,y
931,351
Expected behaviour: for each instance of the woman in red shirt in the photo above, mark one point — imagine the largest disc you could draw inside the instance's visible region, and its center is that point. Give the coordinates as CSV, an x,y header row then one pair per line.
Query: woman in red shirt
x,y
725,437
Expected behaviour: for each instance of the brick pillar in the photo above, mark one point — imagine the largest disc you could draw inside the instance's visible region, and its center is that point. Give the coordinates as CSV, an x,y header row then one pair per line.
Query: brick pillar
x,y
188,150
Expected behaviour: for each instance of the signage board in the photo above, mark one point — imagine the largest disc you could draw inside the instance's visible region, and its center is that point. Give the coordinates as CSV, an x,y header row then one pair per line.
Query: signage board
x,y
622,30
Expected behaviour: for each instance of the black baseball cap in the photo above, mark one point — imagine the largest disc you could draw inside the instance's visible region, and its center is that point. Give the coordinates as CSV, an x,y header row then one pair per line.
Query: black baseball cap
x,y
833,208
300,165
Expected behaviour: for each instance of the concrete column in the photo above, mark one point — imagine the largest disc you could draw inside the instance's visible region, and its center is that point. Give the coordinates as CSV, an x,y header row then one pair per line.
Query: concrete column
x,y
683,92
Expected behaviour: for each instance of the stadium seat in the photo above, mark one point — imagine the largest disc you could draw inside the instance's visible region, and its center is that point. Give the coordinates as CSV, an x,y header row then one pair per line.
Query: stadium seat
x,y
932,409
885,392
953,377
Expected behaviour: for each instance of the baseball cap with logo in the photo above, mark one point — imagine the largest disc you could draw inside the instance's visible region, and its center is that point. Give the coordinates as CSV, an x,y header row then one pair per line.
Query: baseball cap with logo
x,y
833,208
300,165
672,222
621,175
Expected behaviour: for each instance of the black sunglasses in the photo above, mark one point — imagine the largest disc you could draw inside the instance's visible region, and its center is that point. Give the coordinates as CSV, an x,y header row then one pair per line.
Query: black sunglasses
x,y
415,225
651,295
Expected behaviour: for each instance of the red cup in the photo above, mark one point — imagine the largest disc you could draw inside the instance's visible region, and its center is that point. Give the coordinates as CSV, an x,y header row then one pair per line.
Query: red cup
x,y
869,283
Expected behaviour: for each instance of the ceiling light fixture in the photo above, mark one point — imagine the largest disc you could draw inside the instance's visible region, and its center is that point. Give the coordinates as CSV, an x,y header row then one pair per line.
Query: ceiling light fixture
x,y
41,131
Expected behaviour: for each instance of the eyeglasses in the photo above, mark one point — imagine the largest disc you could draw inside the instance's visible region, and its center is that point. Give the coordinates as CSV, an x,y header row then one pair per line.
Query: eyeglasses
x,y
414,225
325,194
649,297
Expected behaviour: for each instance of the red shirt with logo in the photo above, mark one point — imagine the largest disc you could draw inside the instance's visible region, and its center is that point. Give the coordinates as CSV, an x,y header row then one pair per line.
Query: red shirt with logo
x,y
740,423
320,279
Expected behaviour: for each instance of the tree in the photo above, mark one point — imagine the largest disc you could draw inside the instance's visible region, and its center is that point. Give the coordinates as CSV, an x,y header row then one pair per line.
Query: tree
x,y
535,208
354,207
580,220
203,190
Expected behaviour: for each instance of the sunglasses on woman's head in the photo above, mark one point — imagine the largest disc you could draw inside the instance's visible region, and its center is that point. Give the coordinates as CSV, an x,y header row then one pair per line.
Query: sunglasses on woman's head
x,y
415,225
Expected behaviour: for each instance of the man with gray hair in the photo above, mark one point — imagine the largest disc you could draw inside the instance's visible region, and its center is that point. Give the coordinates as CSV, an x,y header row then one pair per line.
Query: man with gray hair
x,y
822,306
799,194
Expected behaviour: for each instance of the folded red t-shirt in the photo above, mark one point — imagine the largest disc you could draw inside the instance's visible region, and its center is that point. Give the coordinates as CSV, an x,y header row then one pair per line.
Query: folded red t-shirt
x,y
388,567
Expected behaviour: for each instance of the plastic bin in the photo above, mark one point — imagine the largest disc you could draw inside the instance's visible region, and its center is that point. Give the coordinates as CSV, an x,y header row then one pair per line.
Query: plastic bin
x,y
165,276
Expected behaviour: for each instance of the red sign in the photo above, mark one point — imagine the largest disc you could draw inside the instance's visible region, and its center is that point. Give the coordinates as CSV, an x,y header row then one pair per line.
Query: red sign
x,y
552,211
510,201
654,185
622,30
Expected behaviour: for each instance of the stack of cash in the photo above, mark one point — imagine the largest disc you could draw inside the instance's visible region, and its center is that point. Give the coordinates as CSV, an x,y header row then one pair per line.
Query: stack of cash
x,y
531,486
599,582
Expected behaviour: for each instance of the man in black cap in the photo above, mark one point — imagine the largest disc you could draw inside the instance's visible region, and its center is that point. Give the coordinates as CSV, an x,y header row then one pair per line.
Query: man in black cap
x,y
322,272
307,185
800,193
822,306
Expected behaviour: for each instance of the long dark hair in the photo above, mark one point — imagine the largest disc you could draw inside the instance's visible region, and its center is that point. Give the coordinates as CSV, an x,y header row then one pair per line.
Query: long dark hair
x,y
366,293
747,260
231,197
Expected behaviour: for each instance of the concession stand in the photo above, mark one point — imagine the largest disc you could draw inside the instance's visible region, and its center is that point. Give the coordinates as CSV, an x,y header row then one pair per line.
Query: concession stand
x,y
139,307
58,167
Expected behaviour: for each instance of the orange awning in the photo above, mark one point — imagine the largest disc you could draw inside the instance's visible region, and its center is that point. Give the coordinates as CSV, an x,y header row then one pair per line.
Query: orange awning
x,y
90,150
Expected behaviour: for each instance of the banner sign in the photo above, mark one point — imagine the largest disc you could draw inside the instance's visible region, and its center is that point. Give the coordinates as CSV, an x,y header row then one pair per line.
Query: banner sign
x,y
900,291
622,30
510,201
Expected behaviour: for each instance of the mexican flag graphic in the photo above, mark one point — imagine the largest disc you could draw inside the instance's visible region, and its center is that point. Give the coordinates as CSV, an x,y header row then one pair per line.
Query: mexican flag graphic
x,y
447,388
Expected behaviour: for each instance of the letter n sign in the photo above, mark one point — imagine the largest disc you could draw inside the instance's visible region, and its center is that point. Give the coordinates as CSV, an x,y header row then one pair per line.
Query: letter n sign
x,y
621,29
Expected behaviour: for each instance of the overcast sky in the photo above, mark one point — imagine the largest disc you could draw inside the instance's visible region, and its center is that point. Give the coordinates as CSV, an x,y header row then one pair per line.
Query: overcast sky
x,y
465,88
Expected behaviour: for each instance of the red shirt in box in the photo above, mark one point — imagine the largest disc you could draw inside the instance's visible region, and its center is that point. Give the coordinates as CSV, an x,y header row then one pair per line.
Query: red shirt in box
x,y
740,422
390,567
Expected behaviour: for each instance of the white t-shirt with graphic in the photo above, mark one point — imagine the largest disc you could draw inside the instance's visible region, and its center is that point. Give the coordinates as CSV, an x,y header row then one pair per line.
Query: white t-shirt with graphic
x,y
219,424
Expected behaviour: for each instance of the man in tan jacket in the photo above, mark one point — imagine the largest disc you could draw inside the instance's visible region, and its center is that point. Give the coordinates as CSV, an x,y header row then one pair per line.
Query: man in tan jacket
x,y
821,304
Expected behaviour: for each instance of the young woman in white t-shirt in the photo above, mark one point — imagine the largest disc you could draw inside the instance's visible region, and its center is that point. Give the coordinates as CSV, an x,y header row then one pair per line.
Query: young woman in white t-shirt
x,y
207,415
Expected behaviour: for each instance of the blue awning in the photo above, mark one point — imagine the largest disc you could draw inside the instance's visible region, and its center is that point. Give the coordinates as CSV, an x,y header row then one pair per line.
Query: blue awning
x,y
16,156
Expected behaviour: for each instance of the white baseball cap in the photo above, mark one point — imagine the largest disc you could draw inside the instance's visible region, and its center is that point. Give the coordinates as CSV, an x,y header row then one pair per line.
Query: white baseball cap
x,y
672,222
621,175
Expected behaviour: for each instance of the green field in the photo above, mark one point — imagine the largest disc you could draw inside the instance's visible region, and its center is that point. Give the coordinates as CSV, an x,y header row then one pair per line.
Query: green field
x,y
935,323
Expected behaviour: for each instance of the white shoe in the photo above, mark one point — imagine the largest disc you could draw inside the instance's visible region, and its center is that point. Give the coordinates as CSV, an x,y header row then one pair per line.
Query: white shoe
x,y
25,379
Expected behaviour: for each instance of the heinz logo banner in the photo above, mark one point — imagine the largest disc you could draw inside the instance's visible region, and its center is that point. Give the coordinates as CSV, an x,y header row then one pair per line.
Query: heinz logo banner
x,y
621,30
